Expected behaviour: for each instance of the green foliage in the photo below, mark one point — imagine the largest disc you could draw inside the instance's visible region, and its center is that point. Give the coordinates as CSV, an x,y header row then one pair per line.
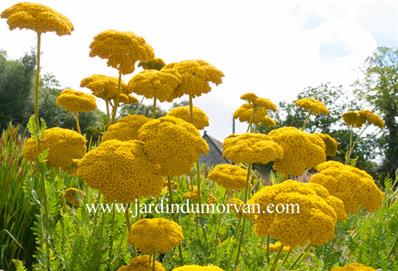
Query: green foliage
x,y
141,109
16,84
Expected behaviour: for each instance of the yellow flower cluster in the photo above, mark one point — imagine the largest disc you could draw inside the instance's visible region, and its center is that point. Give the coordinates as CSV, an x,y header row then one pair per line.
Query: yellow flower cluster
x,y
76,101
155,84
315,222
359,118
330,143
125,128
153,64
353,186
103,86
37,17
198,268
63,146
353,267
127,99
192,195
172,145
195,77
200,119
73,195
313,106
120,170
301,150
141,263
258,102
231,177
121,49
245,111
155,235
277,246
251,148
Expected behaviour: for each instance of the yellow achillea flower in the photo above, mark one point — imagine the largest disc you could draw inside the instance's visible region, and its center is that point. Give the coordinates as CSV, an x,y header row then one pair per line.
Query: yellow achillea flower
x,y
37,17
353,267
155,235
141,263
245,111
63,147
200,119
103,86
251,148
301,150
73,195
315,222
275,247
249,96
353,186
198,268
195,77
120,171
265,103
155,84
359,118
312,106
125,128
172,145
330,143
76,101
127,99
153,64
231,177
192,195
336,203
121,49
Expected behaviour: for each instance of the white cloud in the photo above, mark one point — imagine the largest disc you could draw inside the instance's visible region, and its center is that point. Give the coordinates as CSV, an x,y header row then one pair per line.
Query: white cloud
x,y
268,47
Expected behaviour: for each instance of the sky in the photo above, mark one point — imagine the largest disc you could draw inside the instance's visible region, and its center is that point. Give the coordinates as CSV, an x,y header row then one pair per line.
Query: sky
x,y
272,48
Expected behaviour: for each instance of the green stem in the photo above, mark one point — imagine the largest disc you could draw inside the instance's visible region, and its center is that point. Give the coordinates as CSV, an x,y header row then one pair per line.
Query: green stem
x,y
306,120
108,116
268,241
191,107
154,108
111,240
117,98
286,257
153,261
219,220
46,218
244,217
76,115
275,263
127,215
299,257
37,83
353,144
250,126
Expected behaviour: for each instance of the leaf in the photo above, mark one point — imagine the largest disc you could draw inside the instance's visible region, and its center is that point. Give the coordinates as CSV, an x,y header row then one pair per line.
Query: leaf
x,y
32,127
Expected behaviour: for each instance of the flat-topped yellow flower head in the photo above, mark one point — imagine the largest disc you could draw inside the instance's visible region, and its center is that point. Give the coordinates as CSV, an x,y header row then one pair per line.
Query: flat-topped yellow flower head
x,y
121,49
264,103
155,235
103,86
330,143
301,150
196,76
353,267
76,101
359,118
200,119
120,171
141,263
314,222
37,17
198,268
249,97
245,111
231,177
153,64
126,128
313,106
353,186
155,84
251,148
172,145
63,147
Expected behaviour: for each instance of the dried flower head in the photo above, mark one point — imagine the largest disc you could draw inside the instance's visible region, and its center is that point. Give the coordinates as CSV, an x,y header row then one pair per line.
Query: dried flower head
x,y
251,148
76,101
63,147
155,235
121,49
120,171
200,119
37,17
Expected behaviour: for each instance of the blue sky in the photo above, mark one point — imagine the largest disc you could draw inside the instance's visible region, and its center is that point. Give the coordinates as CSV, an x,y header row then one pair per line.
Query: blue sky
x,y
272,48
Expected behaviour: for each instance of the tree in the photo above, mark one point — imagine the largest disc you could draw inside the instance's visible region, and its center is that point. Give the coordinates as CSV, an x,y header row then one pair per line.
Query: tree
x,y
141,109
380,88
16,84
338,102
